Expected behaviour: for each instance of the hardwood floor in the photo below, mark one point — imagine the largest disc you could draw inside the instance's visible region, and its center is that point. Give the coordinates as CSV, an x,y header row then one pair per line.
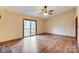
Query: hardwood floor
x,y
55,43
41,44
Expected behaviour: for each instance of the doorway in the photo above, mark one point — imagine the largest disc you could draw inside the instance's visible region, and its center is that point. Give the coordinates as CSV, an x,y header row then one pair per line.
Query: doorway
x,y
30,27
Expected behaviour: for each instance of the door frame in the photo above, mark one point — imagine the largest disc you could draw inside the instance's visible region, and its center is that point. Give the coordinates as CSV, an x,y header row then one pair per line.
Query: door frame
x,y
76,27
76,30
30,27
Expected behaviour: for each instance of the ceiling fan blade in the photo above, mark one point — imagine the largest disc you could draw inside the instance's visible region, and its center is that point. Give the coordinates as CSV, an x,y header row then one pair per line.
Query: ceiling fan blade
x,y
50,13
51,10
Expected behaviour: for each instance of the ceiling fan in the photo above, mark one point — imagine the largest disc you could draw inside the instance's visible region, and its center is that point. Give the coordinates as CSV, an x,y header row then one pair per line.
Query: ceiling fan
x,y
46,12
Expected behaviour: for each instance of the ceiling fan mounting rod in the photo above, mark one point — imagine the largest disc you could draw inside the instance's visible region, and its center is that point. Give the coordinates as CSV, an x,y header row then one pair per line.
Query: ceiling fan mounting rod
x,y
45,9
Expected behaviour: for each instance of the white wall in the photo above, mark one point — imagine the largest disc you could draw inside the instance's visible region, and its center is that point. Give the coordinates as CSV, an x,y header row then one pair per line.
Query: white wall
x,y
63,24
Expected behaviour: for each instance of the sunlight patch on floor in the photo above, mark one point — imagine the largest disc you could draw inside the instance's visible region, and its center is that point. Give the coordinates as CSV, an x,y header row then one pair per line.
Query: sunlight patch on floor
x,y
30,45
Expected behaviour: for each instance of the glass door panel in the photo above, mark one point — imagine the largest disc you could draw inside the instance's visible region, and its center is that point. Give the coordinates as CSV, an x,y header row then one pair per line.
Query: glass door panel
x,y
26,28
33,27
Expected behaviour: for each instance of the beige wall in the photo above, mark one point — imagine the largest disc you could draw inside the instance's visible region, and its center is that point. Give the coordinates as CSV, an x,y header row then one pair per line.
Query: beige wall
x,y
77,9
77,13
11,25
63,24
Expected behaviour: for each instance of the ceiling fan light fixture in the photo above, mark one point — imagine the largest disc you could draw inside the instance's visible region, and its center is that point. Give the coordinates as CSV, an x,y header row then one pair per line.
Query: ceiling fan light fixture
x,y
45,14
45,11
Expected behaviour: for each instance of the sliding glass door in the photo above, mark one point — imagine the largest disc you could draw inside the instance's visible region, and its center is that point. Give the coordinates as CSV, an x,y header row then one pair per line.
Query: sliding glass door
x,y
29,28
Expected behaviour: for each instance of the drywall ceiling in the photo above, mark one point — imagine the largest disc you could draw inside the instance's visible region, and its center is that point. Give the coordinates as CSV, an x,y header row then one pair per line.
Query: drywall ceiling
x,y
34,10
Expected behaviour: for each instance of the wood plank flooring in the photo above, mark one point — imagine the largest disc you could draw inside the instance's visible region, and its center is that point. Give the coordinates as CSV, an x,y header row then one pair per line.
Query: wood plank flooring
x,y
56,44
41,44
